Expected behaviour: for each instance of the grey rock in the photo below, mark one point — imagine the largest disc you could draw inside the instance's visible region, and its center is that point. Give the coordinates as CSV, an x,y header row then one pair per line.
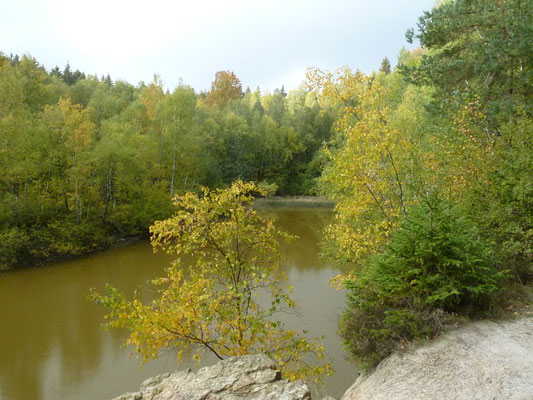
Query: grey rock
x,y
484,360
250,377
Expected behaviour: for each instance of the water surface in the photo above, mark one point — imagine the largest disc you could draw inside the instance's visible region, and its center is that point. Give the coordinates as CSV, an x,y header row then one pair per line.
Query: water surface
x,y
52,346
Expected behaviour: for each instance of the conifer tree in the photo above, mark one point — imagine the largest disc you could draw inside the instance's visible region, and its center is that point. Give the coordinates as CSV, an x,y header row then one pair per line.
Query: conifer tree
x,y
385,66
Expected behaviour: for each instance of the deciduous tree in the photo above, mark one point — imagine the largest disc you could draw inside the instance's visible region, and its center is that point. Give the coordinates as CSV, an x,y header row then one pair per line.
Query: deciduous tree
x,y
224,88
217,302
367,170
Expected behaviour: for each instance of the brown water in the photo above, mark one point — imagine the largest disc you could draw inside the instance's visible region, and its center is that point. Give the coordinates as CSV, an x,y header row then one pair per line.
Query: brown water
x,y
52,346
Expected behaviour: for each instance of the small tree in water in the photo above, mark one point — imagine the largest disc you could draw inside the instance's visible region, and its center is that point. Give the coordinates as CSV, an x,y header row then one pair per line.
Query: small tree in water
x,y
212,303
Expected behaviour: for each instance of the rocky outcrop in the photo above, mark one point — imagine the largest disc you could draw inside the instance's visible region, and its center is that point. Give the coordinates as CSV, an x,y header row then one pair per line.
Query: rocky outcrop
x,y
485,360
251,377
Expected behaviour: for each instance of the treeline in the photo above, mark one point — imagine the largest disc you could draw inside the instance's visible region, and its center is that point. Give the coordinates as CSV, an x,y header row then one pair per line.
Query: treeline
x,y
432,169
86,160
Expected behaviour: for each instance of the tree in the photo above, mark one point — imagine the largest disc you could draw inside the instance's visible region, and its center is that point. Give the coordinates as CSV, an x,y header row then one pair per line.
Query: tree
x,y
71,134
478,47
369,165
277,107
503,203
385,66
107,80
214,303
175,116
435,263
224,88
68,76
56,71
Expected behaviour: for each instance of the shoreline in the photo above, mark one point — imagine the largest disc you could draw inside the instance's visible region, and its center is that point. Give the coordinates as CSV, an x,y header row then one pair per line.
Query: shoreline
x,y
294,202
260,203
113,244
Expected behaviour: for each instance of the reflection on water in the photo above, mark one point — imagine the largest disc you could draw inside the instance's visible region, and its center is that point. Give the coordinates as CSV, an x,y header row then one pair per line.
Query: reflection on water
x,y
52,346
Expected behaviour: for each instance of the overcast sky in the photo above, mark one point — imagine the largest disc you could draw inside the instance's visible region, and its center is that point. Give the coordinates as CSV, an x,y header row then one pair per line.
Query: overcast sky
x,y
266,43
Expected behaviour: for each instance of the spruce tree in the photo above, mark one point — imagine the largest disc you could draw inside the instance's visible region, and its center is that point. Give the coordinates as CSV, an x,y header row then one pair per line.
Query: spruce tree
x,y
385,66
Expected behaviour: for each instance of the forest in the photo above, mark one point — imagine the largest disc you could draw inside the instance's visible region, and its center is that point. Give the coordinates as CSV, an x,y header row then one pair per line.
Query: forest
x,y
88,161
429,162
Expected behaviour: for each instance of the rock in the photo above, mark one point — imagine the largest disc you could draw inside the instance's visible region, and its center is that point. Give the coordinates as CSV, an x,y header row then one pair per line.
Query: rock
x,y
250,377
484,360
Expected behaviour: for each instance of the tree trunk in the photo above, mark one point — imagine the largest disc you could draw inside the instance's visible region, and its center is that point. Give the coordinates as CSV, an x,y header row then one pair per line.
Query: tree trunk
x,y
175,156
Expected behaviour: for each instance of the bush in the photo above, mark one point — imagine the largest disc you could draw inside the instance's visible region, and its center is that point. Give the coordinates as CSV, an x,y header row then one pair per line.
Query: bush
x,y
57,240
270,189
505,208
13,244
436,264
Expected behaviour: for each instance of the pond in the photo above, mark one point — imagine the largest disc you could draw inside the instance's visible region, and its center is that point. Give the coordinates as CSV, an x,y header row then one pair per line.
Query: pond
x,y
52,345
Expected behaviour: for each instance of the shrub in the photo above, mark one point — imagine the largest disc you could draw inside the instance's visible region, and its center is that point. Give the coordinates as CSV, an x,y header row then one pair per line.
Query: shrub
x,y
13,244
435,264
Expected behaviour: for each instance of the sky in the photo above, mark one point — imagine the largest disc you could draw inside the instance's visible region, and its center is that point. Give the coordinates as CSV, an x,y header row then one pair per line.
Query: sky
x,y
267,43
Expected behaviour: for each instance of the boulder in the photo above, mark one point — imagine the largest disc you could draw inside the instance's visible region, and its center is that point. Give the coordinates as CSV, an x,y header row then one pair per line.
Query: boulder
x,y
484,360
250,377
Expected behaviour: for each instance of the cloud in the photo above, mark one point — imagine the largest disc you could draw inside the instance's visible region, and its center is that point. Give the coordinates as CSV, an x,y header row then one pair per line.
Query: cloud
x,y
266,43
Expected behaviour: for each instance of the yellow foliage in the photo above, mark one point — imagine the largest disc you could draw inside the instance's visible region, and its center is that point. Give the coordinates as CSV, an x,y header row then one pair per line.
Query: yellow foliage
x,y
212,304
366,174
384,160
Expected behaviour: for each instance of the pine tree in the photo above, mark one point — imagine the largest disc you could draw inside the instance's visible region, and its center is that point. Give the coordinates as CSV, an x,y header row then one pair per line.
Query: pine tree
x,y
56,71
68,76
108,80
385,66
